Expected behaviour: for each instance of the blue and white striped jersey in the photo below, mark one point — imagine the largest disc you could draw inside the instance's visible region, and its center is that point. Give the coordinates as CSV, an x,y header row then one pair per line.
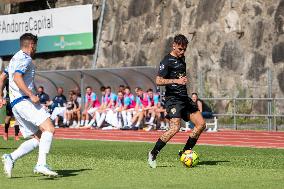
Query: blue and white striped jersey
x,y
21,63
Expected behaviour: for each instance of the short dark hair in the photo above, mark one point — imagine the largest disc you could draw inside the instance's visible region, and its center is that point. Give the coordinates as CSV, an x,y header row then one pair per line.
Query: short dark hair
x,y
180,40
27,37
108,87
150,90
41,87
88,87
72,92
139,89
120,91
127,87
103,88
194,94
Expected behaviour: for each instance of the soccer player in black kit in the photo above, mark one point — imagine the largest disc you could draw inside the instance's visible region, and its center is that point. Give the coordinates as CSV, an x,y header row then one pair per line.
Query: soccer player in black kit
x,y
9,113
172,74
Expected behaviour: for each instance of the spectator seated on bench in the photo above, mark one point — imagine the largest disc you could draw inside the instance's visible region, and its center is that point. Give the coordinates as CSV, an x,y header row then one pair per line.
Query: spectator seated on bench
x,y
206,112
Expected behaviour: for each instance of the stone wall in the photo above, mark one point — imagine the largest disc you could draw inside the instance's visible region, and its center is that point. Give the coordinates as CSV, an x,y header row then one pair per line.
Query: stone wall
x,y
232,42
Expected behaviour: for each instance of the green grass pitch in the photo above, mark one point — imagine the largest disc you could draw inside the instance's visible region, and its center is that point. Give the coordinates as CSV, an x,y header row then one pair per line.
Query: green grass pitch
x,y
98,164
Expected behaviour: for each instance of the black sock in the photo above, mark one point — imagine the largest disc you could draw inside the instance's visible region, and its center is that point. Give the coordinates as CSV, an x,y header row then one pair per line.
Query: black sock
x,y
158,147
17,130
7,125
189,144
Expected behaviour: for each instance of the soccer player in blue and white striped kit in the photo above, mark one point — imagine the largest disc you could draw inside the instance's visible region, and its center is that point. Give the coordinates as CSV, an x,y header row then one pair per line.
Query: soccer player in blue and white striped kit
x,y
33,119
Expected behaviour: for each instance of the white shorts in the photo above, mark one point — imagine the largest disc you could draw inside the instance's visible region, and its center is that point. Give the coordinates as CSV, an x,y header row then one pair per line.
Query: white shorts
x,y
92,110
58,111
29,116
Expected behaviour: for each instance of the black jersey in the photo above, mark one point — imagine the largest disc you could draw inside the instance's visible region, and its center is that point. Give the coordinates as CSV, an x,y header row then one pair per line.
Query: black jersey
x,y
7,97
173,68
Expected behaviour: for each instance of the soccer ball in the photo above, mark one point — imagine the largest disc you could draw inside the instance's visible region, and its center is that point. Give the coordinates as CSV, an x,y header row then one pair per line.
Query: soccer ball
x,y
189,158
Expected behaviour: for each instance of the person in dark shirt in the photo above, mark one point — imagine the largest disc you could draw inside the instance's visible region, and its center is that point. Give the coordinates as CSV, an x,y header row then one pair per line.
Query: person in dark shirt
x,y
43,97
172,74
59,100
9,114
202,106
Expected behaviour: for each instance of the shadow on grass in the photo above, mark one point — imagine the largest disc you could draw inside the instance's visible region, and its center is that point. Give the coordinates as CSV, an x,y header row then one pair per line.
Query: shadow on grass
x,y
7,148
212,162
164,166
65,173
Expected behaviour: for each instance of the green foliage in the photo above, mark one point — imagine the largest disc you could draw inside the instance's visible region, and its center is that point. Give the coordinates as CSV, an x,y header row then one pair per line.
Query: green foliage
x,y
104,165
243,120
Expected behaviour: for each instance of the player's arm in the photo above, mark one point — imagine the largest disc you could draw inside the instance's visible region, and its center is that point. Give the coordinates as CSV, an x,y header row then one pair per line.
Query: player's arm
x,y
18,79
149,106
199,105
3,79
163,73
87,105
163,81
78,108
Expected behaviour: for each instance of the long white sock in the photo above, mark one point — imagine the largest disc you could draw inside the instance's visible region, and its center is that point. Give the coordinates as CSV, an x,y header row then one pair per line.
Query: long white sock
x,y
25,148
82,122
163,124
137,124
102,118
167,125
152,119
129,118
86,122
98,116
44,147
91,122
124,117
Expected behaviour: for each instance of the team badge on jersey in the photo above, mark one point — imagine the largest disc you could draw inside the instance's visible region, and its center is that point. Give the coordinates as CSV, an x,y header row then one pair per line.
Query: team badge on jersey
x,y
173,110
162,67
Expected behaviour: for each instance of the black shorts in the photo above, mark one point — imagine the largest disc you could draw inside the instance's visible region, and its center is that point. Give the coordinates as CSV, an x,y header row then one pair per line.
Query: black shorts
x,y
9,111
180,107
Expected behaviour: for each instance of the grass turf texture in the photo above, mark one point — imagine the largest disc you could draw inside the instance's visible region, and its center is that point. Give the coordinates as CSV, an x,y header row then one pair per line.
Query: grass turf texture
x,y
98,164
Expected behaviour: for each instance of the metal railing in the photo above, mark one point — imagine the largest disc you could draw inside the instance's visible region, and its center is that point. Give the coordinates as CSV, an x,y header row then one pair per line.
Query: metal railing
x,y
270,114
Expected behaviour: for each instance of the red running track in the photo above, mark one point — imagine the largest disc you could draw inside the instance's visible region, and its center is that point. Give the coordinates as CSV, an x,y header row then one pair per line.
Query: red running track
x,y
257,139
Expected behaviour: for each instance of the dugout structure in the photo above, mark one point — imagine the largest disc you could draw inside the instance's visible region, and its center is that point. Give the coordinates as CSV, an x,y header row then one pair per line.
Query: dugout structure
x,y
143,77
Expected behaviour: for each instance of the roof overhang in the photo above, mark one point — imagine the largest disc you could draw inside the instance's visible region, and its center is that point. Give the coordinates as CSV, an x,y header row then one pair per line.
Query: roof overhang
x,y
15,1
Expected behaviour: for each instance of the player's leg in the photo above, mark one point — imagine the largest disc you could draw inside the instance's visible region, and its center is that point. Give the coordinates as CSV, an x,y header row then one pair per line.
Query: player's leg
x,y
45,140
26,147
162,141
87,118
92,111
17,130
152,118
197,119
69,117
124,117
83,117
78,118
9,114
7,125
101,118
139,118
129,117
44,148
37,115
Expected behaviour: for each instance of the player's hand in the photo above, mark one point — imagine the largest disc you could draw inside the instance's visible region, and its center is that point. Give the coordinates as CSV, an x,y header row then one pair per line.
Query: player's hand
x,y
34,99
2,102
182,81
